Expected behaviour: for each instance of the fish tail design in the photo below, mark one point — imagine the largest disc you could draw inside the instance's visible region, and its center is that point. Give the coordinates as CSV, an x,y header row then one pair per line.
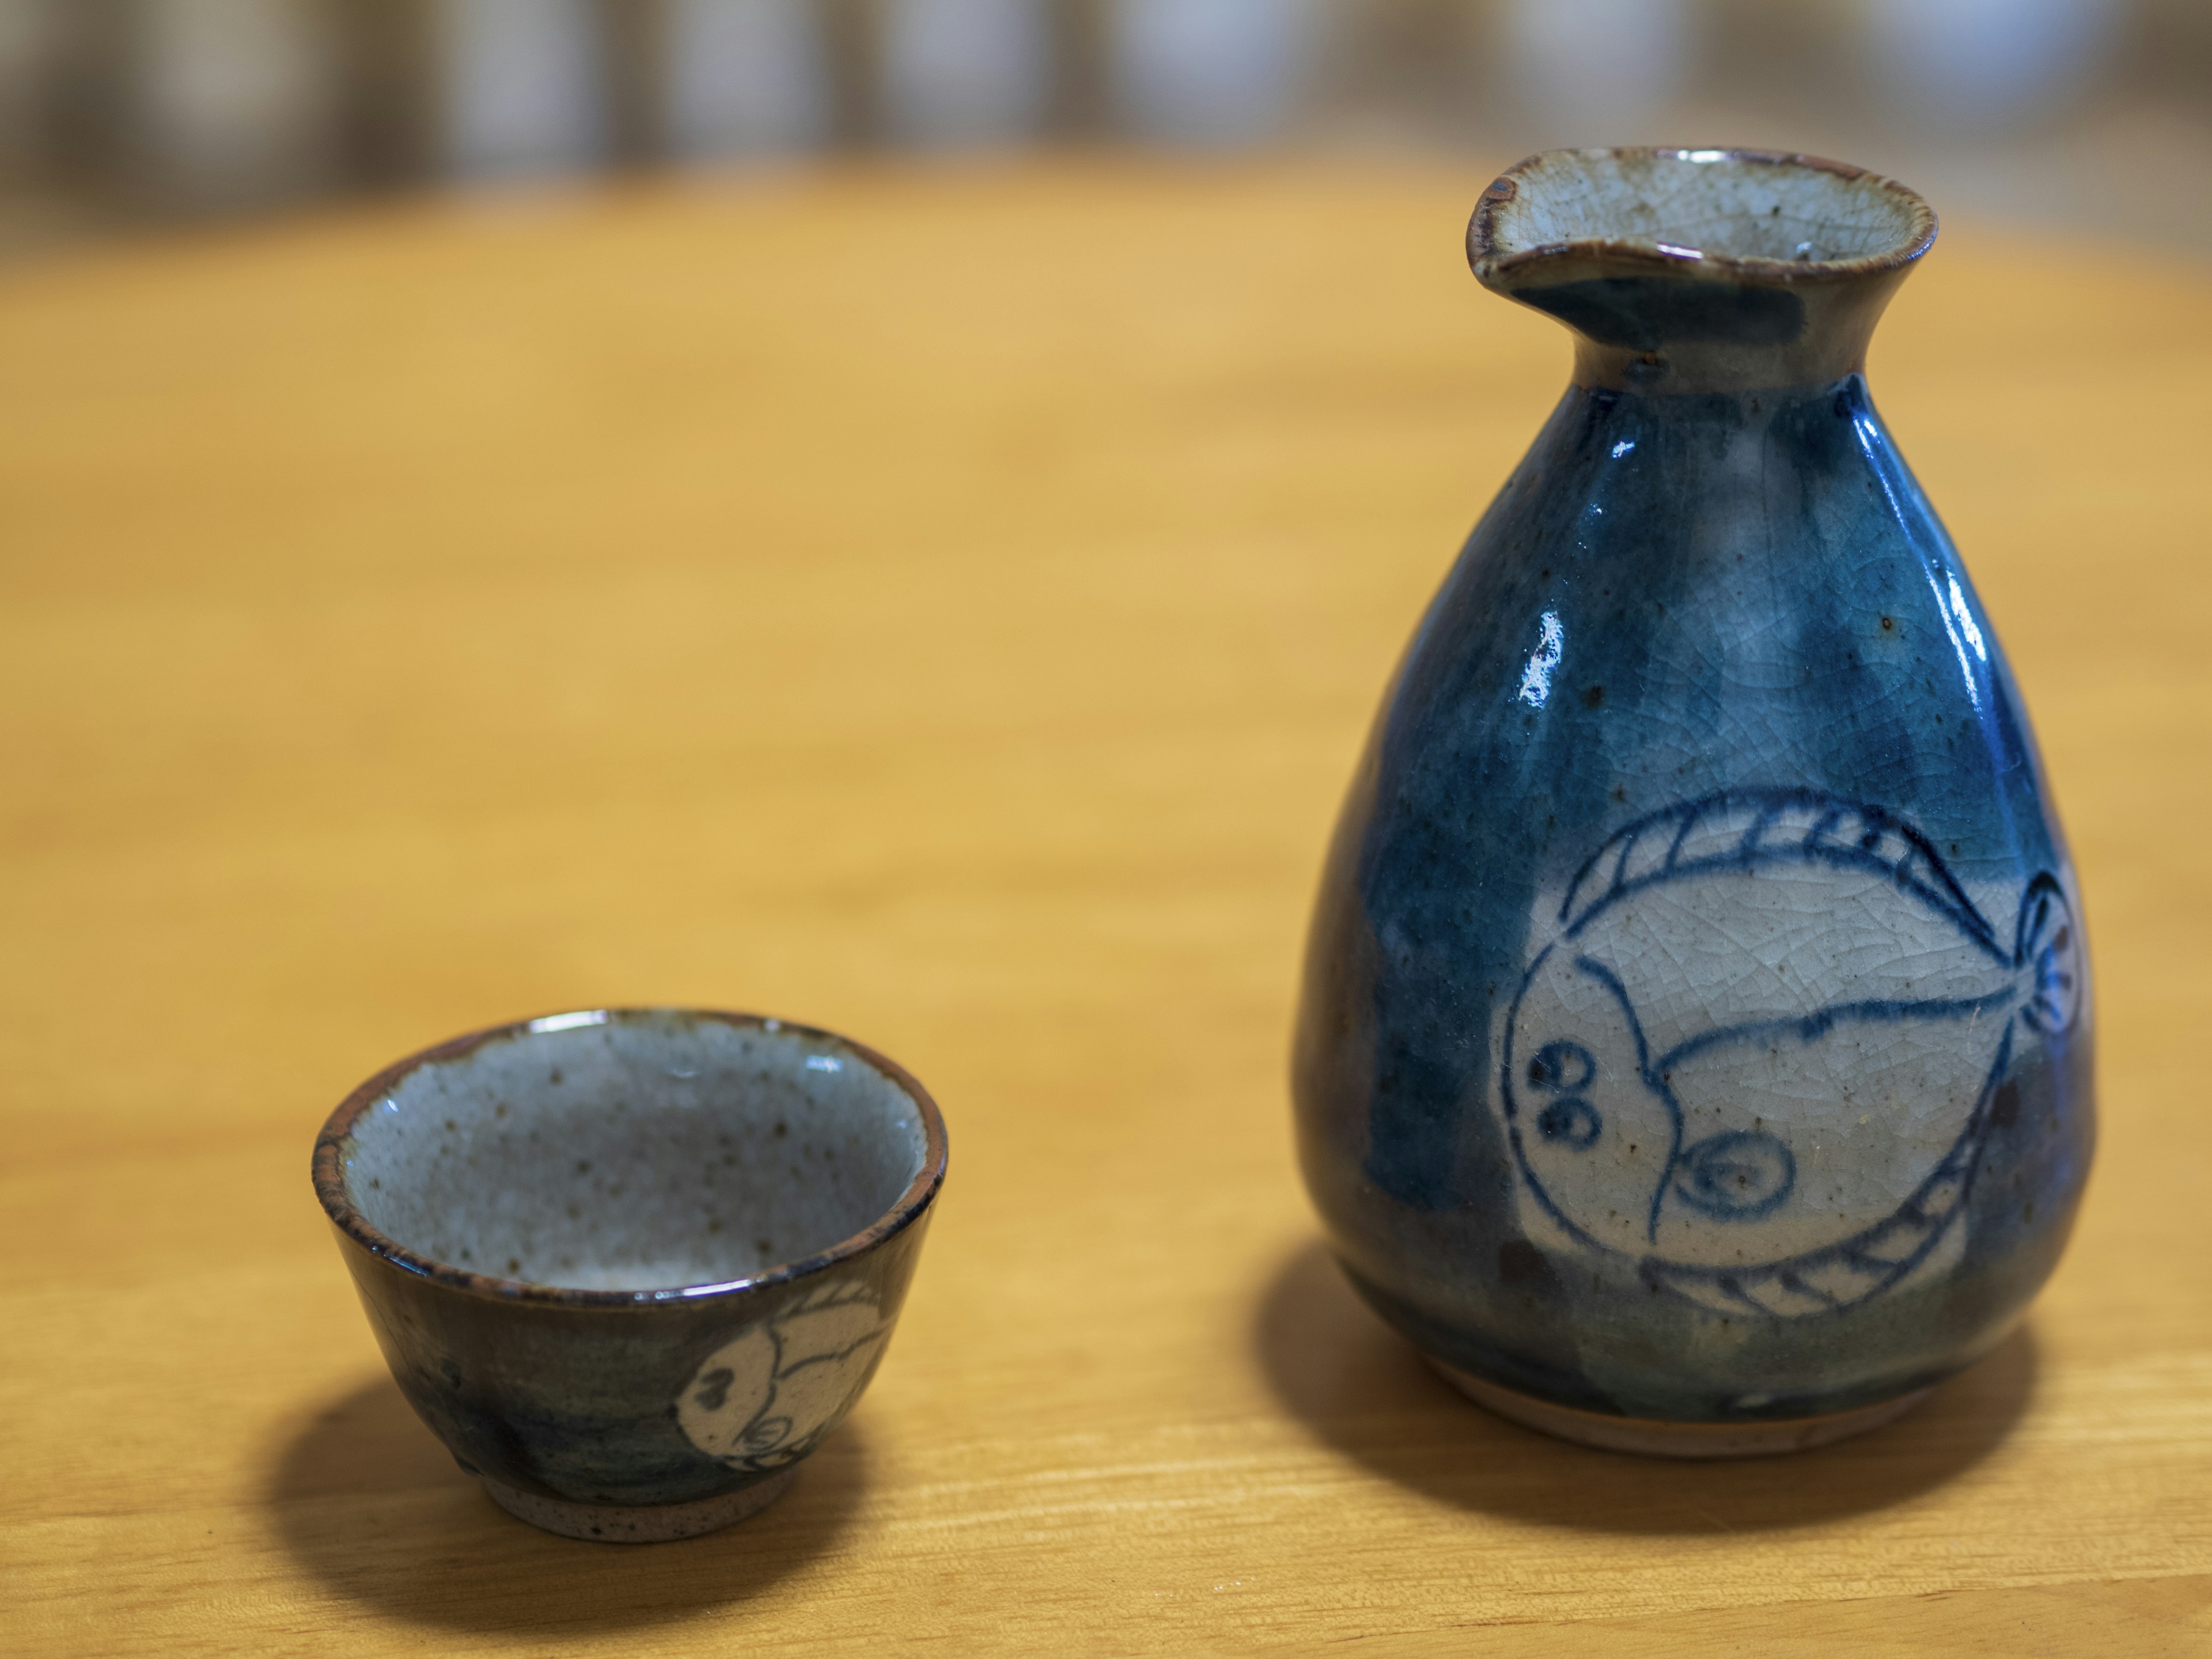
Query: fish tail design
x,y
2047,951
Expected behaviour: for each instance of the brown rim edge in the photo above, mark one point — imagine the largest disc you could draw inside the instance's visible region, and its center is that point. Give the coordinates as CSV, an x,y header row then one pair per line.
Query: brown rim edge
x,y
1493,269
329,1169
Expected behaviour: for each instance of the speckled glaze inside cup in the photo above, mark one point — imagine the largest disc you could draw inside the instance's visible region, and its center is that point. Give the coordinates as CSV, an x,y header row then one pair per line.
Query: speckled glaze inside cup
x,y
634,1266
634,1155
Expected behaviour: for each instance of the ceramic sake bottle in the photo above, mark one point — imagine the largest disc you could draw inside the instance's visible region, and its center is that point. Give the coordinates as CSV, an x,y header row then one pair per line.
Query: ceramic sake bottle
x,y
1695,1050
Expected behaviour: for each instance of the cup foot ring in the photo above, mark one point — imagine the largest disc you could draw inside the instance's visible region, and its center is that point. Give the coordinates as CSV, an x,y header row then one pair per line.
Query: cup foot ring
x,y
1651,1437
651,1523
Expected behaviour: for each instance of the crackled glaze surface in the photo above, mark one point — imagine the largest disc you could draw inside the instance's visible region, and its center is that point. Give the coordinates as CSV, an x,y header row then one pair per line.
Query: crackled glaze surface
x,y
1697,1023
1762,1043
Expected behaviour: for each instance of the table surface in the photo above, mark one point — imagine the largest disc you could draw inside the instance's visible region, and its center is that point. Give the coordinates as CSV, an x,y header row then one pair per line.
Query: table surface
x,y
945,606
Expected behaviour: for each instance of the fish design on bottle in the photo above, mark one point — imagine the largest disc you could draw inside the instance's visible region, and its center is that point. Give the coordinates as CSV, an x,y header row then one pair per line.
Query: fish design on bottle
x,y
1762,1048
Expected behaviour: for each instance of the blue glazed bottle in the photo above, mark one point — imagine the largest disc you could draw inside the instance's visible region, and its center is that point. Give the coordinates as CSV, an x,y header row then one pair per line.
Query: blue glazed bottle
x,y
1695,1053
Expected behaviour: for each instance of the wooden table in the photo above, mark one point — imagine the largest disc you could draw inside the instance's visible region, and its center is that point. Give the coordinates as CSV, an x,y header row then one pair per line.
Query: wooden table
x,y
945,606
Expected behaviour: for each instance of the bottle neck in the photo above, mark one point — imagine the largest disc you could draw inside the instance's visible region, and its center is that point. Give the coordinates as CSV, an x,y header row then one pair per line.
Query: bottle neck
x,y
1662,334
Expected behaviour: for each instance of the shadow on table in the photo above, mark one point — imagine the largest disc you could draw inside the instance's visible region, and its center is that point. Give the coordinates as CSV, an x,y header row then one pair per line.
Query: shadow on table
x,y
1364,1389
375,1508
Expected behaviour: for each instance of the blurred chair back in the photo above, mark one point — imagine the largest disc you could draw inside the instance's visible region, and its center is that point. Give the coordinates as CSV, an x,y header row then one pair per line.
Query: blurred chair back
x,y
127,107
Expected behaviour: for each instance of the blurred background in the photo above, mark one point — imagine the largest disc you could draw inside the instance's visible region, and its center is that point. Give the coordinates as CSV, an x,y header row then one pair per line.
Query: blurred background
x,y
117,115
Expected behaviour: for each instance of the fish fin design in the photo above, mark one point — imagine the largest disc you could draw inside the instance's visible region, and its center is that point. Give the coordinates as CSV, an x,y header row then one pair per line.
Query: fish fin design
x,y
1743,829
1904,1243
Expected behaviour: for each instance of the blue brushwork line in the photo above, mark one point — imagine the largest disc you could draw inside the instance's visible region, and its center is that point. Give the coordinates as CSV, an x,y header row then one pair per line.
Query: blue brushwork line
x,y
1604,976
1811,1027
1961,1163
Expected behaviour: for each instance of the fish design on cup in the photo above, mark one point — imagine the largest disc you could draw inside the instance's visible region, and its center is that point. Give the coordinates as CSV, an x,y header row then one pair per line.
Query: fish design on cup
x,y
764,1397
1762,1043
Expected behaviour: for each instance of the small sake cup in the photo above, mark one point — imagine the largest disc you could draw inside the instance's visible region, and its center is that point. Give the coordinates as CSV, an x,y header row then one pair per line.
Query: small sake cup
x,y
631,1265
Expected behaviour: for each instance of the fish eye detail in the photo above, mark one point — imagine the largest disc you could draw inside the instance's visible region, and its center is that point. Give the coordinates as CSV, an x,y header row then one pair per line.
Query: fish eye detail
x,y
1573,1122
1738,1176
1561,1068
1786,985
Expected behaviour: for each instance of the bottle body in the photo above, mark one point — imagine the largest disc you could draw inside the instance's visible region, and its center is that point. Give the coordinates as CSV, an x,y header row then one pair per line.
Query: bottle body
x,y
1696,1023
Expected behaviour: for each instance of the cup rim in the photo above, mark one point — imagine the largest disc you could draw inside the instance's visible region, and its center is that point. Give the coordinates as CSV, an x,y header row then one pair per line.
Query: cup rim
x,y
1503,268
328,1168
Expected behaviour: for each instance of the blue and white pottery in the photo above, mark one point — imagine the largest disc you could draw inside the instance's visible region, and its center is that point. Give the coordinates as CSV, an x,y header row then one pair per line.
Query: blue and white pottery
x,y
632,1266
1695,1053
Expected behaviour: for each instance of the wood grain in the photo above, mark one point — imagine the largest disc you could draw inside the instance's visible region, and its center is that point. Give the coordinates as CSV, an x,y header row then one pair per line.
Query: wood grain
x,y
945,606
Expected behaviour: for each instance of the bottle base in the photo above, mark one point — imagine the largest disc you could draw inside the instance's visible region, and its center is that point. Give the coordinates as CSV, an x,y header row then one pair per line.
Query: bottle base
x,y
1653,1437
650,1524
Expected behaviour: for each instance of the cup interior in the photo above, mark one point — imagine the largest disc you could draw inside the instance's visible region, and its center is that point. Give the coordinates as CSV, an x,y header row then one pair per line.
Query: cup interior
x,y
638,1150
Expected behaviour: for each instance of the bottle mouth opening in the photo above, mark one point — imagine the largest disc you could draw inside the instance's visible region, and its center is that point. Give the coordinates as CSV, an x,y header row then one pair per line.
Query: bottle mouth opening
x,y
1729,214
